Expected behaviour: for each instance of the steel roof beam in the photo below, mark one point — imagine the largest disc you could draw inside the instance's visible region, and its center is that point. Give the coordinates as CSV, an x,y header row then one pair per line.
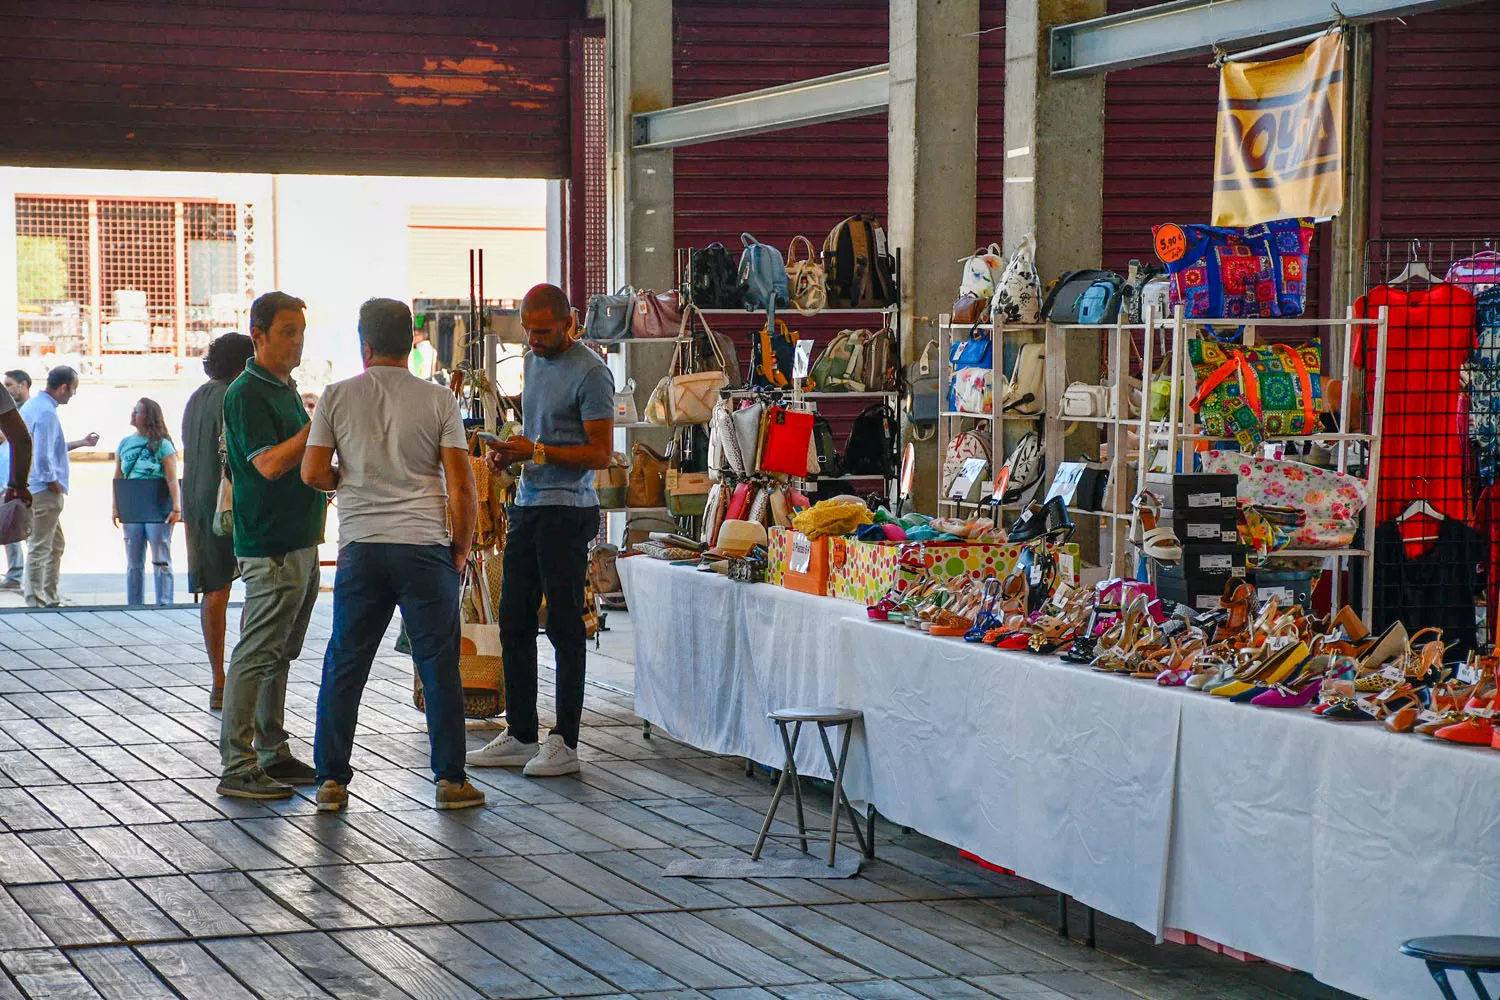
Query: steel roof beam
x,y
792,105
1182,28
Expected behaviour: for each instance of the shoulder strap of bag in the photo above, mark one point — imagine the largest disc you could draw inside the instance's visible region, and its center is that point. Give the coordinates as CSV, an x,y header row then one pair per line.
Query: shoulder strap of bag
x,y
713,341
135,458
1236,363
1294,359
859,240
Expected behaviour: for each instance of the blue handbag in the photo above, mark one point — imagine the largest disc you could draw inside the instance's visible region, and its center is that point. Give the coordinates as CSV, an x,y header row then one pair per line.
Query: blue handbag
x,y
974,351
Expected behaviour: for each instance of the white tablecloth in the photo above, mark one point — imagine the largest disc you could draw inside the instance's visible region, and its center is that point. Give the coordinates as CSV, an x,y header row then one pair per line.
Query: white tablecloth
x,y
710,662
1315,844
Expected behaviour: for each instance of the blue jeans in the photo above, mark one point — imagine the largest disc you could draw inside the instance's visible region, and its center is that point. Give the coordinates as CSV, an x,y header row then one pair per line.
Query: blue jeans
x,y
15,557
159,536
373,579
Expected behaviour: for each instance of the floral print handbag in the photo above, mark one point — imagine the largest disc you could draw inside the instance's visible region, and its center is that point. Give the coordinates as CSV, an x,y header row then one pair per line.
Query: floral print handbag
x,y
1018,293
1330,502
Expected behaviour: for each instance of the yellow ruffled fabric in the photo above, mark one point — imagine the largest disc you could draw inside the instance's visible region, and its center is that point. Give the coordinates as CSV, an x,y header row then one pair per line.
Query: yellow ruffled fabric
x,y
839,516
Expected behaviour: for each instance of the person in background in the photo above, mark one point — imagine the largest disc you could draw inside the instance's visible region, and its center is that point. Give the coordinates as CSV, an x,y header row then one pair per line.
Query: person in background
x,y
149,453
310,402
211,565
423,359
49,484
407,507
567,411
278,523
18,385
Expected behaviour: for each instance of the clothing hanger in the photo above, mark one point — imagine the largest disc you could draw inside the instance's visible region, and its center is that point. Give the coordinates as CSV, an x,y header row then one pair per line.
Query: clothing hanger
x,y
1419,507
1415,269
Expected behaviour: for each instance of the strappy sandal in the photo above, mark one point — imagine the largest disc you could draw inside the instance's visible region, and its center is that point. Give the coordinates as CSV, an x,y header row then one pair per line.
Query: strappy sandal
x,y
986,619
1052,632
1156,540
1118,645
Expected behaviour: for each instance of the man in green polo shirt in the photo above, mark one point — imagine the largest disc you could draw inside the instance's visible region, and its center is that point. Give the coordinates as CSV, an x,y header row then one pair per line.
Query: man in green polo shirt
x,y
278,523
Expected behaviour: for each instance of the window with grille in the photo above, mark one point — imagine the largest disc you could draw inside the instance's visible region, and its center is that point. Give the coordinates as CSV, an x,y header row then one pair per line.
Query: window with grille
x,y
120,275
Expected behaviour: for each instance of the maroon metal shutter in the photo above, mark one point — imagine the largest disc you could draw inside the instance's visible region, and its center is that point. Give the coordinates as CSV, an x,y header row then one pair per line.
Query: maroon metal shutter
x,y
454,87
1435,125
990,168
783,184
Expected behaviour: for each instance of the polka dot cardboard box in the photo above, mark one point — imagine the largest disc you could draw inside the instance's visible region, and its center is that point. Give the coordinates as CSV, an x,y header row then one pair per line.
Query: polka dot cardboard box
x,y
864,572
778,555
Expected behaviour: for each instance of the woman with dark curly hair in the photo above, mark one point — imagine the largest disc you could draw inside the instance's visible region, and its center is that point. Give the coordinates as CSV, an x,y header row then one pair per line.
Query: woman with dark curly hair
x,y
211,564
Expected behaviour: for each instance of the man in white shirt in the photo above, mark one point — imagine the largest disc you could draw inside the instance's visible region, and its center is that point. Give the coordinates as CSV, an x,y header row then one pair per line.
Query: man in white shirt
x,y
403,480
49,484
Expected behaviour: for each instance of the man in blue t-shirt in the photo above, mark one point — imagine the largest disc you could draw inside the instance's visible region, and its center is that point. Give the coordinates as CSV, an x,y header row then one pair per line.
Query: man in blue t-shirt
x,y
567,406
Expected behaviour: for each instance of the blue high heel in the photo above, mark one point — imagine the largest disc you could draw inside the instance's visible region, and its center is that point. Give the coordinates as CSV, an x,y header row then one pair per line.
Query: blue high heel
x,y
986,619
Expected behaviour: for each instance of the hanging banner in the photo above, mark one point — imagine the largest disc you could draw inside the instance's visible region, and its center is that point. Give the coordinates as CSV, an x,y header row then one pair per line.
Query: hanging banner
x,y
1280,148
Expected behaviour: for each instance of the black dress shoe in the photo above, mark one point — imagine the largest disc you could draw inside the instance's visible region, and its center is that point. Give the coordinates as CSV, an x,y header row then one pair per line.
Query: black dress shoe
x,y
1030,525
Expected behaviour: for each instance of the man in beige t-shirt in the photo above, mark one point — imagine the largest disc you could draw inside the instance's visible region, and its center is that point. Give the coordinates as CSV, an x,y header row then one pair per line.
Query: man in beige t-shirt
x,y
403,480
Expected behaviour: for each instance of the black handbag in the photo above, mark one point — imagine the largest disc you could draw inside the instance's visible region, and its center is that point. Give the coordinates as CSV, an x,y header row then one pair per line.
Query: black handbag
x,y
142,501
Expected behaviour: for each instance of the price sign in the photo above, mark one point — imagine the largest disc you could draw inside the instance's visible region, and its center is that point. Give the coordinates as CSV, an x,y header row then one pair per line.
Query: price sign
x,y
801,553
1468,673
1394,673
1171,243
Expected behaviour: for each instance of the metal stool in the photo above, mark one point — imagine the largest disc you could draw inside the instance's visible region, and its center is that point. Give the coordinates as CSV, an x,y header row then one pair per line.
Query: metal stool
x,y
823,718
1469,952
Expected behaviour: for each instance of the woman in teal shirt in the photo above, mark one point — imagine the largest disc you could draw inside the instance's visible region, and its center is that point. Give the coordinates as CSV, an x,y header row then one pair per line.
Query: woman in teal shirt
x,y
149,454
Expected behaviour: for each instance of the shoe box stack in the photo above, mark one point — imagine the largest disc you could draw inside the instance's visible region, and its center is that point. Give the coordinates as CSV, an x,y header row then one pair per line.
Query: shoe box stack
x,y
1204,515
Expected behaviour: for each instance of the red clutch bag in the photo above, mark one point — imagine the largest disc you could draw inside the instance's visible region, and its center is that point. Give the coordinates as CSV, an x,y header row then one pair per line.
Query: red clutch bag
x,y
787,438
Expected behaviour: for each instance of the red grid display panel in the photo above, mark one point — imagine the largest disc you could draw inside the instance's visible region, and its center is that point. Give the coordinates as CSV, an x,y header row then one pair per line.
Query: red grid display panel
x,y
595,171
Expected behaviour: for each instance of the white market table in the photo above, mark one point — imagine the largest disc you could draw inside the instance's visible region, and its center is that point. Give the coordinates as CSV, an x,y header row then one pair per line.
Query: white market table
x,y
1315,844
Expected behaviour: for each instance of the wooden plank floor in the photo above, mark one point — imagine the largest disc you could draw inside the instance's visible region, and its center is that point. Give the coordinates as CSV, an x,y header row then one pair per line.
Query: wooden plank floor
x,y
122,874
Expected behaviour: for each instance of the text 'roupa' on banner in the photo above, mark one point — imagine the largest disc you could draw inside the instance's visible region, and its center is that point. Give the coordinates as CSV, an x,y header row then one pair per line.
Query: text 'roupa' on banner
x,y
1280,148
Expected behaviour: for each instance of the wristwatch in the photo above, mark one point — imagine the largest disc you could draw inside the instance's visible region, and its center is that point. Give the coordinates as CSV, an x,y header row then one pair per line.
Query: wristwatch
x,y
539,454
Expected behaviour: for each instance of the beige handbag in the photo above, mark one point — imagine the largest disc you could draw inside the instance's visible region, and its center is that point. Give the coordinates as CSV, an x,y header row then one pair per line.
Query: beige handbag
x,y
806,282
647,483
691,397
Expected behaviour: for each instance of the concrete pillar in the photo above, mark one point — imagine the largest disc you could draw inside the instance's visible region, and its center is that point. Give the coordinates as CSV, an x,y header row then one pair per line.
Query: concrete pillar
x,y
640,79
641,238
934,108
1054,181
1054,142
1351,229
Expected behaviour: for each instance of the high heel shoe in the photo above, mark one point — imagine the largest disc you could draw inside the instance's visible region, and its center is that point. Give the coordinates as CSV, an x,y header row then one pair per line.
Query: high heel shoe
x,y
1157,541
1238,603
1118,645
1476,729
986,619
1390,644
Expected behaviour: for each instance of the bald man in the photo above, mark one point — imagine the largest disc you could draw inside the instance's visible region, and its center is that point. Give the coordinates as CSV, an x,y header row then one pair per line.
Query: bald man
x,y
567,406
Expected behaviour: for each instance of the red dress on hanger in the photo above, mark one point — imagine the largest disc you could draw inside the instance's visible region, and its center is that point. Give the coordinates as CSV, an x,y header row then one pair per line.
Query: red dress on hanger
x,y
1429,334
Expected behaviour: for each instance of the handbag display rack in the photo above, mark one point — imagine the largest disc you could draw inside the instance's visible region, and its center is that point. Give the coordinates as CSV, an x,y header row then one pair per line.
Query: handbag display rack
x,y
1171,444
891,315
